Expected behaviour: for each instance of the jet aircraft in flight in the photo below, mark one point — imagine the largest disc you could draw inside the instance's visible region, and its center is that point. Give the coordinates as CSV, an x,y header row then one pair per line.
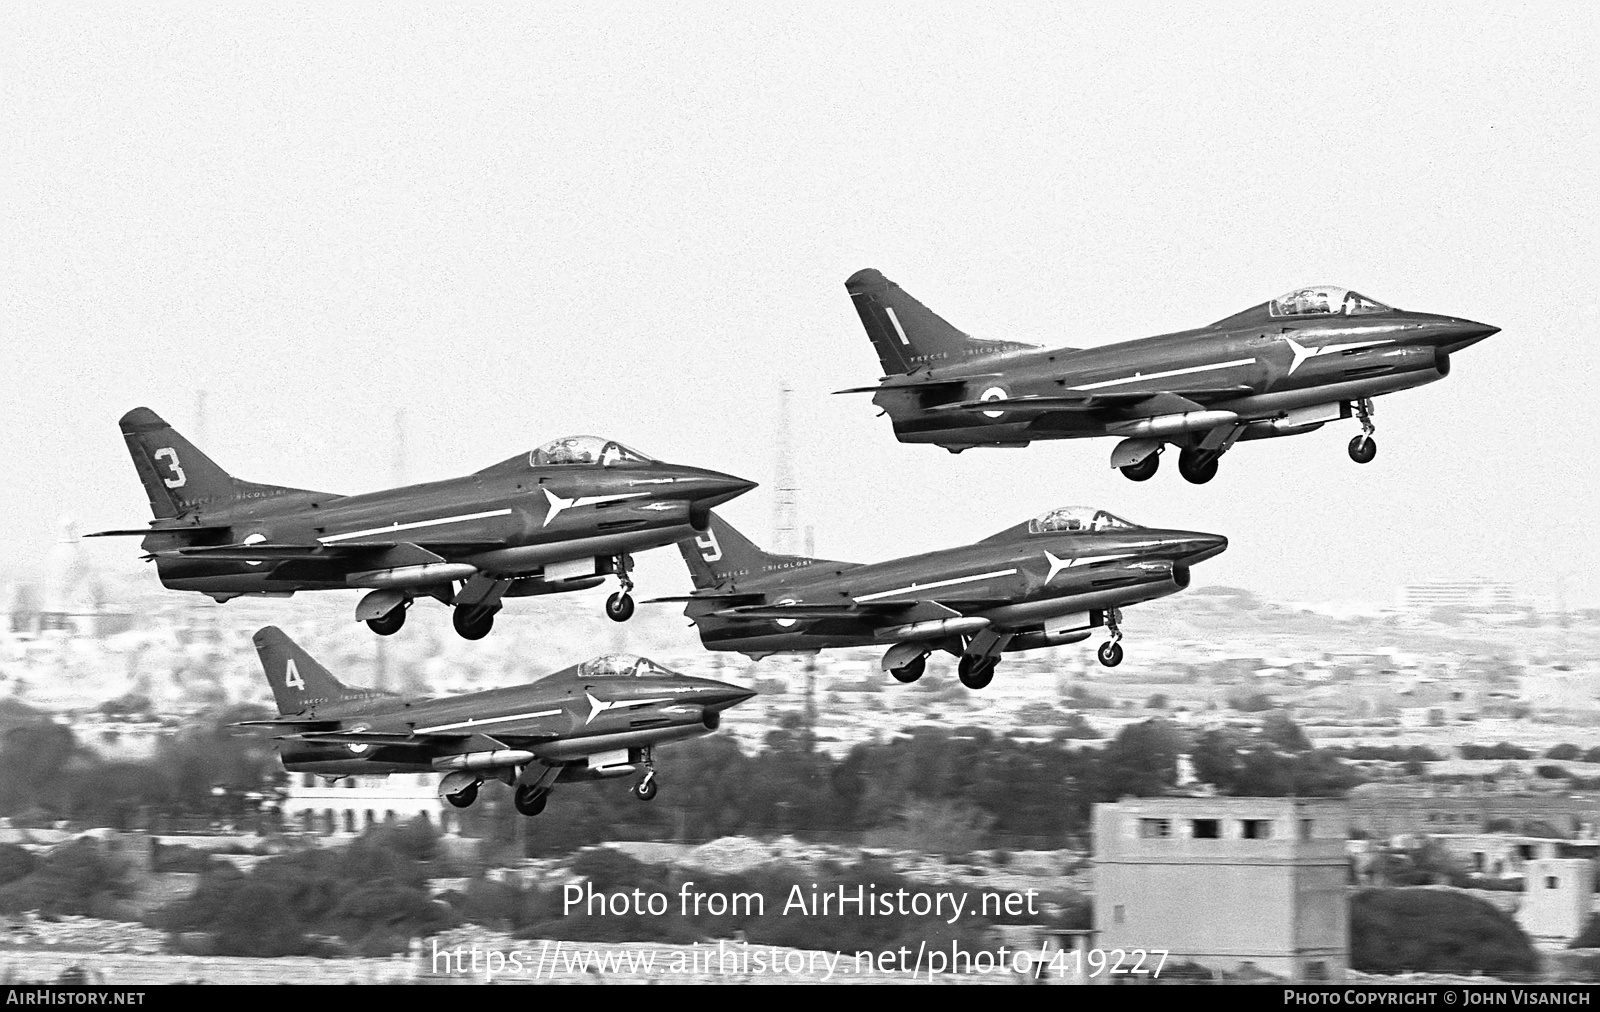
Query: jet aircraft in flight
x,y
1284,367
593,721
1042,583
560,518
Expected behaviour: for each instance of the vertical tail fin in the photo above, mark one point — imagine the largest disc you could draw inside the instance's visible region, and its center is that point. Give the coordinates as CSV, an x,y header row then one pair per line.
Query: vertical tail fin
x,y
177,476
722,554
907,334
299,683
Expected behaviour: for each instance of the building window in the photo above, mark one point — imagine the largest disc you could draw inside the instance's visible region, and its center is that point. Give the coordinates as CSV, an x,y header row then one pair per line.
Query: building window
x,y
1207,829
1256,829
1307,829
1550,882
1155,829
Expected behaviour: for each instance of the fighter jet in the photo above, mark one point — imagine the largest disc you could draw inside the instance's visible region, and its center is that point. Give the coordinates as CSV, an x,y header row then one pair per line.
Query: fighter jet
x,y
559,518
593,721
1042,583
1284,367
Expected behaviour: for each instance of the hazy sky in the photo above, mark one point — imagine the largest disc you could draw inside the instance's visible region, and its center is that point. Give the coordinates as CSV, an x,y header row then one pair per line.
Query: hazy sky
x,y
519,223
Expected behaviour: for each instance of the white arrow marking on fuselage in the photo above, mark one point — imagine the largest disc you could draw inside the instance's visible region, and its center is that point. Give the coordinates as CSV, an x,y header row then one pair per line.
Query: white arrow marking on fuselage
x,y
557,504
596,707
1057,565
1168,374
864,598
1301,352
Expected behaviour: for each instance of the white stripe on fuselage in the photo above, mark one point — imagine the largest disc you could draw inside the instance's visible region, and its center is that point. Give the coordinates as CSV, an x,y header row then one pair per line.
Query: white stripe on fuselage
x,y
475,722
1142,377
463,518
932,586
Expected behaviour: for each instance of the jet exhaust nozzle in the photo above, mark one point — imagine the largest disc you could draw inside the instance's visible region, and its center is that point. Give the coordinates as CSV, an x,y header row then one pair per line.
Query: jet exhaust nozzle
x,y
485,760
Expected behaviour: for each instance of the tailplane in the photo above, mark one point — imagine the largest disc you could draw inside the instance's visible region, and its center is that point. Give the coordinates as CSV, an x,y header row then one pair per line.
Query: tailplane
x,y
299,683
908,335
722,554
178,477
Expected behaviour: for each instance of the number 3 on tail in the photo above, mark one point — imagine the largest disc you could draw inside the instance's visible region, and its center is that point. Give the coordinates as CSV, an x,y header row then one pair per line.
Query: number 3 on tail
x,y
178,479
291,676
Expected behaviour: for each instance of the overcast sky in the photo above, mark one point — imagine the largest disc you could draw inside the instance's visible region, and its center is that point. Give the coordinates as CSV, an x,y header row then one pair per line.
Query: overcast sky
x,y
636,221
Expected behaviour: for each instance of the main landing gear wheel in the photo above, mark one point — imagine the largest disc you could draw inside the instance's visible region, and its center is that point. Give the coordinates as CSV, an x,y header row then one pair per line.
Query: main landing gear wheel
x,y
619,607
1363,448
647,788
1143,470
464,797
1195,469
910,671
388,624
530,801
976,672
1111,653
472,623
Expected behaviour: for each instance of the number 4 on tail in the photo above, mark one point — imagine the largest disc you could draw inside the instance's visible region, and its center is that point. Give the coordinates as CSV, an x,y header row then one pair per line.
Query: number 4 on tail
x,y
291,676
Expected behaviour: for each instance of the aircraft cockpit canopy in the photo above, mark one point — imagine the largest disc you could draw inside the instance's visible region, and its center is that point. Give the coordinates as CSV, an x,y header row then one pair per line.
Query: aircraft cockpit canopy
x,y
622,666
1325,300
590,450
1077,520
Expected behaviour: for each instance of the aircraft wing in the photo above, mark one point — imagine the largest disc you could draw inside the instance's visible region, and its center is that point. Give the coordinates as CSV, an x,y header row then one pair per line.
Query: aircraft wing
x,y
384,553
916,383
370,738
145,531
305,722
1138,402
729,595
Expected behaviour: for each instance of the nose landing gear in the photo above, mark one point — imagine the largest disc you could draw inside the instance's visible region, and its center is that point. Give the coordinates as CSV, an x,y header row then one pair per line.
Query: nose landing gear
x,y
1363,448
647,787
1110,652
619,606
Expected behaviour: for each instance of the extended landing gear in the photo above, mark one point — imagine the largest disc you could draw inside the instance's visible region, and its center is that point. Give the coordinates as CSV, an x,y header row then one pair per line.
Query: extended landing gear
x,y
1197,466
464,797
1363,448
647,788
911,670
473,623
529,800
976,672
1110,652
389,623
619,606
1144,470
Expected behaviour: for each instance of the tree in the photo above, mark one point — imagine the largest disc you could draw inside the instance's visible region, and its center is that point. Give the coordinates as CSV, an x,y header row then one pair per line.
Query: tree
x,y
1141,761
1280,730
1435,931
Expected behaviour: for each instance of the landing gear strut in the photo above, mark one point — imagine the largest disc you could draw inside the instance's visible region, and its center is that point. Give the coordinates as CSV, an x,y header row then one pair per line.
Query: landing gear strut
x,y
647,787
619,606
1110,652
1363,448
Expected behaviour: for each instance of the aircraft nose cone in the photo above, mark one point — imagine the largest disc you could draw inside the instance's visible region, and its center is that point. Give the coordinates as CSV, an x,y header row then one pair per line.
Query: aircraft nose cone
x,y
713,488
1206,546
1461,333
721,695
